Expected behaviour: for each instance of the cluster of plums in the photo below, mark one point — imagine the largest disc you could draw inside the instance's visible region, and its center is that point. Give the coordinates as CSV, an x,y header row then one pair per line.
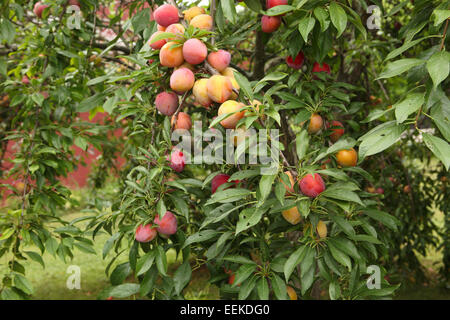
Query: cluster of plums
x,y
166,226
185,56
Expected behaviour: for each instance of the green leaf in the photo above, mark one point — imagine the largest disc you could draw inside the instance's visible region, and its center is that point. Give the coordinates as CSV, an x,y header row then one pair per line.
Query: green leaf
x,y
398,67
345,246
438,67
411,104
229,10
279,10
161,260
302,143
343,224
338,17
51,245
244,84
322,15
244,174
124,290
385,218
280,192
36,257
263,289
279,287
407,45
340,257
120,273
439,147
303,207
293,260
220,18
334,290
307,280
182,276
247,287
307,261
239,259
254,5
98,80
243,273
141,20
109,104
145,262
248,218
161,208
38,98
7,233
305,26
380,138
180,205
11,294
273,76
7,31
109,243
440,16
345,195
84,247
200,236
23,284
265,186
228,195
148,282
440,113
367,238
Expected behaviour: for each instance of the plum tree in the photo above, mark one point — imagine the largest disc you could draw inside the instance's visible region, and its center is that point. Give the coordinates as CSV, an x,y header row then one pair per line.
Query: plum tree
x,y
226,69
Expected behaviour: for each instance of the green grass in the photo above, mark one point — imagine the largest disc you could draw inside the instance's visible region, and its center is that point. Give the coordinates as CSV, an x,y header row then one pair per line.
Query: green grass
x,y
50,282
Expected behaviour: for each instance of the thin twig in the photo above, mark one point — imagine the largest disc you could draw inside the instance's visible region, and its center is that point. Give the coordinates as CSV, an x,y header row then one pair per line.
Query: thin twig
x,y
444,35
175,115
212,10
